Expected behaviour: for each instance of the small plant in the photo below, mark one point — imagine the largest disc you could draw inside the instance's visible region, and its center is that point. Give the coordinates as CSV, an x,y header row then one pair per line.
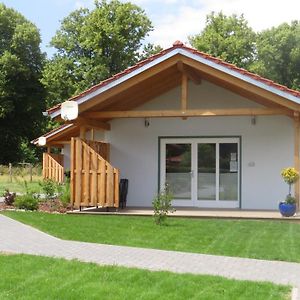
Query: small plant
x,y
27,202
9,198
162,205
65,196
49,188
290,199
290,176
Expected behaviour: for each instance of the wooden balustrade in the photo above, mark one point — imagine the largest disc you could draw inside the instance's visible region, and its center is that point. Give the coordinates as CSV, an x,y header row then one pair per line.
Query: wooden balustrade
x,y
101,148
94,182
53,167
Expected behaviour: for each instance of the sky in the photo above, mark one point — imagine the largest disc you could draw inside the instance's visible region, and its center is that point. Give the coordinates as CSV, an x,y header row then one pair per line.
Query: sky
x,y
172,19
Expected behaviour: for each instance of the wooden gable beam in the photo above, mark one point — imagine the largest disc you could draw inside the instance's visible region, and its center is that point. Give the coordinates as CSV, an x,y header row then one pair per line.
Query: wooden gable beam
x,y
190,72
187,113
184,93
88,123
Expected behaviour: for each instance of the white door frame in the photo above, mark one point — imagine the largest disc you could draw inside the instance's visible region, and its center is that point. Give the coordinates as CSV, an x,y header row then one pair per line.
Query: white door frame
x,y
194,202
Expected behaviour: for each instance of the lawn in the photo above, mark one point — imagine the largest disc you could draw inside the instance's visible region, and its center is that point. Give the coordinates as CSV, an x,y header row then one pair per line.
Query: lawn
x,y
34,277
271,240
17,184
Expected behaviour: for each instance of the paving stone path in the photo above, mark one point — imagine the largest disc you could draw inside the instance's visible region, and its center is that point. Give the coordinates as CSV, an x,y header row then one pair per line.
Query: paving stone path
x,y
16,237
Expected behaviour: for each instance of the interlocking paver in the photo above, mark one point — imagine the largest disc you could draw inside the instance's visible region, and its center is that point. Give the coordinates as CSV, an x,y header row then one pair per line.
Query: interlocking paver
x,y
19,238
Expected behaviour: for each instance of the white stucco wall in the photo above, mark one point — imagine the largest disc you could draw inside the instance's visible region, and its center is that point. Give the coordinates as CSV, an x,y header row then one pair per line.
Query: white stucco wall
x,y
268,144
67,158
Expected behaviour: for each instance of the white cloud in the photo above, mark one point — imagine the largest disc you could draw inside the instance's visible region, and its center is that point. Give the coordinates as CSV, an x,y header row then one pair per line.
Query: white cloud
x,y
169,28
260,14
187,17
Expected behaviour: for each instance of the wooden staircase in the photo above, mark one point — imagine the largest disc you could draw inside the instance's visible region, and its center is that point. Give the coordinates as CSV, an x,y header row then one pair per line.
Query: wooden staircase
x,y
53,167
94,181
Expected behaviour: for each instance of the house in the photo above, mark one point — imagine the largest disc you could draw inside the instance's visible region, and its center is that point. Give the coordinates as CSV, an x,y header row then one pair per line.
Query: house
x,y
217,134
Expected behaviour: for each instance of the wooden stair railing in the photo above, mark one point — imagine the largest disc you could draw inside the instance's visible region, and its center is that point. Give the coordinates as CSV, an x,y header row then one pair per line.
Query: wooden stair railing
x,y
101,148
52,167
94,181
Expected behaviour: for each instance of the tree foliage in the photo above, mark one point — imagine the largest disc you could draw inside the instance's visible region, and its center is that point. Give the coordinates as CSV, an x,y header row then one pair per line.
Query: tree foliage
x,y
278,54
227,37
93,45
273,53
21,93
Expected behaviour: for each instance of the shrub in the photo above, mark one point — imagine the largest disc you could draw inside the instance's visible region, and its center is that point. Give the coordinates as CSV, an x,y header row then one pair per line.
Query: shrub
x,y
65,196
162,205
49,188
27,202
9,198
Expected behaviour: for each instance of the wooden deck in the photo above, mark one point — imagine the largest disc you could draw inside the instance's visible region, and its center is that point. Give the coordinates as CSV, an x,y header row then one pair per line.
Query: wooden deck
x,y
194,213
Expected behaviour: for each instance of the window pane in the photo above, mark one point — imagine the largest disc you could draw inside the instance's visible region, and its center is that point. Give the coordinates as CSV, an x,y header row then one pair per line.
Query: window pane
x,y
178,170
206,171
228,171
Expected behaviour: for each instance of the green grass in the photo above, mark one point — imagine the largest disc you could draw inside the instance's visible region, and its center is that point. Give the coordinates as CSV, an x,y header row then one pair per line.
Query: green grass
x,y
32,277
17,184
271,240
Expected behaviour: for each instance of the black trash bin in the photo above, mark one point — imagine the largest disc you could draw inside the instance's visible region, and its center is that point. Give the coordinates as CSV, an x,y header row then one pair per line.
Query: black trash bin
x,y
123,190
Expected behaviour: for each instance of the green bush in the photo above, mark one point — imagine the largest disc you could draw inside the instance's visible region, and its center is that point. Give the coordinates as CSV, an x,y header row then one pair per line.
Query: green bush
x,y
49,188
162,205
27,202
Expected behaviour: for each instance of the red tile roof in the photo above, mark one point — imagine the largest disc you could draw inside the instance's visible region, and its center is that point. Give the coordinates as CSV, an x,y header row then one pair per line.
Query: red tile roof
x,y
176,45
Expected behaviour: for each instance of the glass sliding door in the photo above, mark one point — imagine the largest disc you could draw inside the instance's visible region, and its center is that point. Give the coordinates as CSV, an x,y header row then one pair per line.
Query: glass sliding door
x,y
206,172
176,170
201,172
228,166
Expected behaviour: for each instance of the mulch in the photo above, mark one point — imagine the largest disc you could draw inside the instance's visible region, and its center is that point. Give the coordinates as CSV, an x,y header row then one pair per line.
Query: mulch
x,y
49,206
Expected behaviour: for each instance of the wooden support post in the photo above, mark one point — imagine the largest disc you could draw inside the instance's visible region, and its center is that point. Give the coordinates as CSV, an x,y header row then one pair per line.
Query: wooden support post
x,y
82,132
92,134
184,94
72,173
296,155
48,149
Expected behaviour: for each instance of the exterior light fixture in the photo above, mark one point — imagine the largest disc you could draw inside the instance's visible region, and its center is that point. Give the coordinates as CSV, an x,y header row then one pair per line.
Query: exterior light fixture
x,y
146,122
69,110
253,120
42,141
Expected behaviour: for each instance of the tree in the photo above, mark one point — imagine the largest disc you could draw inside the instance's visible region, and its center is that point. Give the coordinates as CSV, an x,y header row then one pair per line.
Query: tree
x,y
21,93
227,37
94,45
278,54
149,50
